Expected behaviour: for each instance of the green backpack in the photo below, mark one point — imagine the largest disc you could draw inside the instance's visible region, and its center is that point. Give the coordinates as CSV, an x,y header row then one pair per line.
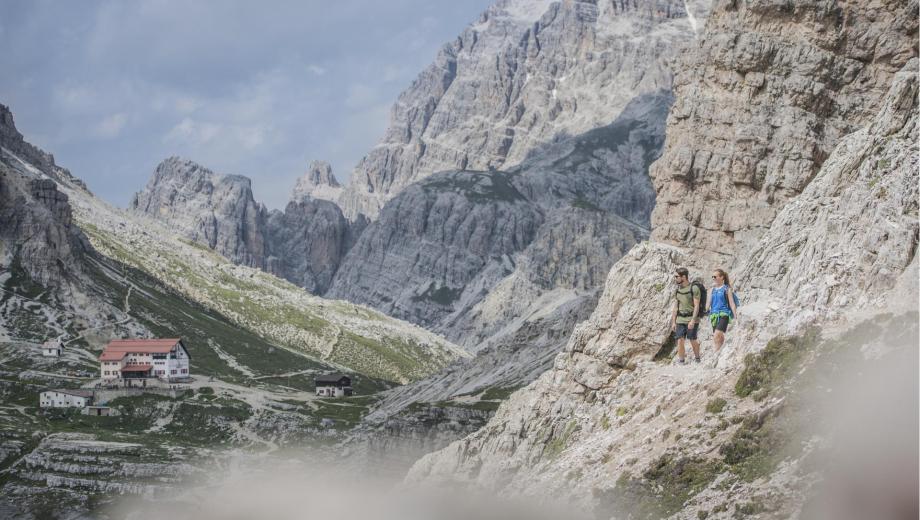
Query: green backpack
x,y
699,285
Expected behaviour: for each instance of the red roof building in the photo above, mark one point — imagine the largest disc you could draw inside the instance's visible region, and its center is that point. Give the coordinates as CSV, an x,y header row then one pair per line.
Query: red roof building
x,y
130,359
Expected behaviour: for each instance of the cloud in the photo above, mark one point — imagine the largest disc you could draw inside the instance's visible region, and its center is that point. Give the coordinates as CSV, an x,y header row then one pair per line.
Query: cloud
x,y
115,87
190,131
111,126
185,104
360,95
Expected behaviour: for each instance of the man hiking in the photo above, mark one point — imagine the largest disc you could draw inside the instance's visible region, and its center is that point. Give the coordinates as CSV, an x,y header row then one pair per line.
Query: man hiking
x,y
685,314
722,306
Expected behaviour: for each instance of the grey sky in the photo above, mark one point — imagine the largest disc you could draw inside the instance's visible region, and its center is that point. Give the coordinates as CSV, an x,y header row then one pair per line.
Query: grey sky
x,y
251,88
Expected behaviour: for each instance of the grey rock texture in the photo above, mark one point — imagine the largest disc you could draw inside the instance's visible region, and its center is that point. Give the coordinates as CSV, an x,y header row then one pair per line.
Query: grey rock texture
x,y
389,447
434,240
317,183
839,247
218,211
303,244
761,103
519,78
513,359
586,200
458,251
35,217
27,153
307,242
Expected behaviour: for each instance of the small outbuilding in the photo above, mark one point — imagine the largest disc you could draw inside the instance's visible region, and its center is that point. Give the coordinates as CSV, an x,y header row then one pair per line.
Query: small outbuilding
x,y
99,411
333,385
65,398
53,348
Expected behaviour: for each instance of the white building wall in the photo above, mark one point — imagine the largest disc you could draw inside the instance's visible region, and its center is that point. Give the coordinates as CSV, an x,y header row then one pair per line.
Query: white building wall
x,y
110,370
51,399
175,364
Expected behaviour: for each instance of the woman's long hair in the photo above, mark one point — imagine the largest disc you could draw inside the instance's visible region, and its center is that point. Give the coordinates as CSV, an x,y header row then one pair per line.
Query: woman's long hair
x,y
725,279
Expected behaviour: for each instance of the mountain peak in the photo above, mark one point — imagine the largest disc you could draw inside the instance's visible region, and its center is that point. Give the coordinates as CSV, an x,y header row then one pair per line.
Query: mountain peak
x,y
318,182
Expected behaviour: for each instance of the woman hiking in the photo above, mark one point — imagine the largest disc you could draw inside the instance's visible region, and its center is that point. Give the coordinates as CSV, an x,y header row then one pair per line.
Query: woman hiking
x,y
721,305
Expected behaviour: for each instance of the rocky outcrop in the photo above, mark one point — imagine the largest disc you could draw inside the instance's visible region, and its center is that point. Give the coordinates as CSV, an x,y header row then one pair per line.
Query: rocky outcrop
x,y
834,246
23,154
35,217
317,183
304,244
218,211
434,240
458,251
513,359
761,103
390,446
521,77
307,242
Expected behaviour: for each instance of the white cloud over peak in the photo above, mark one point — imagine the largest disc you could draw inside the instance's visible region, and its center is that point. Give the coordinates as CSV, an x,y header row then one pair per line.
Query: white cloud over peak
x,y
111,126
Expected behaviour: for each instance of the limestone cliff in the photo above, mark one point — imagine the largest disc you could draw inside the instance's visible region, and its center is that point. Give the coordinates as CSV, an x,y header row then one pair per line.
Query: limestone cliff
x,y
317,183
218,211
804,119
36,230
761,102
519,78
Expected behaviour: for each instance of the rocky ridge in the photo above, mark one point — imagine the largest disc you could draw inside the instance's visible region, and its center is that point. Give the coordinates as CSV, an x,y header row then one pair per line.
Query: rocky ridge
x,y
519,78
317,183
833,233
761,103
508,262
218,211
35,217
304,244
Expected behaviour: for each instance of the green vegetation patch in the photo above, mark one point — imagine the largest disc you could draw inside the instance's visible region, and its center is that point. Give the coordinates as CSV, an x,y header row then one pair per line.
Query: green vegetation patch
x,y
559,443
583,203
757,446
477,186
716,405
774,365
664,487
442,295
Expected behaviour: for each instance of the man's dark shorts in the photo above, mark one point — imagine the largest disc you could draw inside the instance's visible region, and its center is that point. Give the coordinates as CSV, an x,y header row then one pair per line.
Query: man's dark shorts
x,y
721,323
685,332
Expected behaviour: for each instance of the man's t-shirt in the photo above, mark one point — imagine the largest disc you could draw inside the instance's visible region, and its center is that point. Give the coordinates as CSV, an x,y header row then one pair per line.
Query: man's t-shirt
x,y
685,296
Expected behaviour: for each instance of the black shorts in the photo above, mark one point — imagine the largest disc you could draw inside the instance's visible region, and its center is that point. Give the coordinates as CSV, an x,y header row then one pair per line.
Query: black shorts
x,y
683,331
721,323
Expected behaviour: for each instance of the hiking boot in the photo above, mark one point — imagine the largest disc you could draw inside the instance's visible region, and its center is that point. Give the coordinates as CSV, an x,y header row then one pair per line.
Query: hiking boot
x,y
681,361
696,359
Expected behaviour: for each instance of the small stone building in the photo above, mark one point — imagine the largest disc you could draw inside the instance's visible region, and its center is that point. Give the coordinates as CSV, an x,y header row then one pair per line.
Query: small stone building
x,y
333,385
65,398
53,348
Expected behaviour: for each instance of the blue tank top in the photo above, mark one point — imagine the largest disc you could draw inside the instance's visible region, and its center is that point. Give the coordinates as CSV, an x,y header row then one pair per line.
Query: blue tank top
x,y
719,301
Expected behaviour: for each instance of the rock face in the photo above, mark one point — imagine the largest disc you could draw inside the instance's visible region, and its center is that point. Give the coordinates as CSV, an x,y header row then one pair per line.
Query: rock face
x,y
458,250
215,210
792,81
588,199
832,232
304,244
307,242
35,218
390,446
23,153
317,183
526,74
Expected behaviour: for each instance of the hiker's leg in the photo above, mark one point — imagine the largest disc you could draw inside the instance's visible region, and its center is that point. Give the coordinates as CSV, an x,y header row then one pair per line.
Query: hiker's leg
x,y
719,338
681,353
694,342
